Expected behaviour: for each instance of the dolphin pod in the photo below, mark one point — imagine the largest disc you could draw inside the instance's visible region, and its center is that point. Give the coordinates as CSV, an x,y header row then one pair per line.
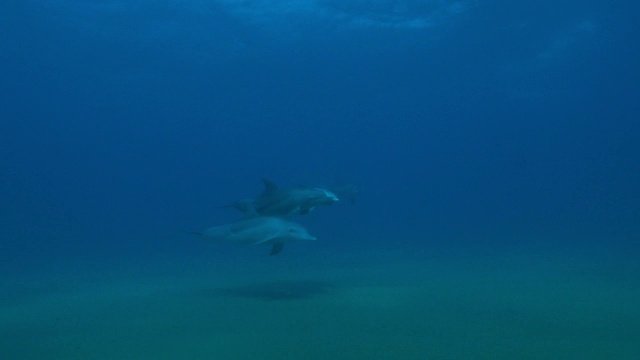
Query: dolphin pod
x,y
266,217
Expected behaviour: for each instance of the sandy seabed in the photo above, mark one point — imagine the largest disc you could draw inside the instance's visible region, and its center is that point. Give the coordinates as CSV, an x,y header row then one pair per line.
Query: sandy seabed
x,y
371,308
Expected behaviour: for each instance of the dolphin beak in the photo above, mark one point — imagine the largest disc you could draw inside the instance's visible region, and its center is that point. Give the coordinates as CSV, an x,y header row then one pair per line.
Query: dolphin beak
x,y
329,195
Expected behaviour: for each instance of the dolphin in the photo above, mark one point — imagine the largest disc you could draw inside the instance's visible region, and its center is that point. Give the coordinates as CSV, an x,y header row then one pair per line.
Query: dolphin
x,y
260,230
285,202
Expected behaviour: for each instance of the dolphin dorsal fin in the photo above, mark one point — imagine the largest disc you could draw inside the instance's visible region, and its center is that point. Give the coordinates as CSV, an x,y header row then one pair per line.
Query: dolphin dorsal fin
x,y
269,187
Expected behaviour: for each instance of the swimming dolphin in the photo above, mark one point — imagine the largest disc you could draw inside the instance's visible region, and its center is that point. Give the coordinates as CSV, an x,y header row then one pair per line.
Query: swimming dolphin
x,y
285,202
260,230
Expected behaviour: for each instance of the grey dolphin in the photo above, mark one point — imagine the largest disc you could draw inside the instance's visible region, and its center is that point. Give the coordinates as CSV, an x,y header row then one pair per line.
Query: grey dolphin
x,y
260,230
285,202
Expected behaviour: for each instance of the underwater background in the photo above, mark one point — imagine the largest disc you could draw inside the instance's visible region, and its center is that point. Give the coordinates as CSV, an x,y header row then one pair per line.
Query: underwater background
x,y
495,147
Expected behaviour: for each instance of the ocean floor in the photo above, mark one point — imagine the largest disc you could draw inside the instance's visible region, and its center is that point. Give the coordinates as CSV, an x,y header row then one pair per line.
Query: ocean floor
x,y
374,307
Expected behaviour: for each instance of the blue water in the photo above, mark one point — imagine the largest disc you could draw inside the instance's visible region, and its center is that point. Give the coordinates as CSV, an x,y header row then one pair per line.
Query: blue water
x,y
495,147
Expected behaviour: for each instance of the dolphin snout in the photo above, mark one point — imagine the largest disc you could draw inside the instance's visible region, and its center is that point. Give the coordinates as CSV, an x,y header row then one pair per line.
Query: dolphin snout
x,y
331,196
310,237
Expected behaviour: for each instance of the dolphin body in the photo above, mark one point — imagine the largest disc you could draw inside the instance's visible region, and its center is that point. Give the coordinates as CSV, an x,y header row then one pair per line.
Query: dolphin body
x,y
285,202
260,230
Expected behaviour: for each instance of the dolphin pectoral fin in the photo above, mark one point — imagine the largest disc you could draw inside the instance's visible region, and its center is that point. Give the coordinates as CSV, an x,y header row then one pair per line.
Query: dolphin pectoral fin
x,y
306,210
276,248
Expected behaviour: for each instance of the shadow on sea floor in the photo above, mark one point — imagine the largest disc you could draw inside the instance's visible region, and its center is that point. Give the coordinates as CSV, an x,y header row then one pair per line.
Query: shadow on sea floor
x,y
276,290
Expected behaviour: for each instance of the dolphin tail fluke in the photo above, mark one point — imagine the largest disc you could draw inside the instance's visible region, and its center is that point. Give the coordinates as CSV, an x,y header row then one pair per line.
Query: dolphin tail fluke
x,y
246,206
276,249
